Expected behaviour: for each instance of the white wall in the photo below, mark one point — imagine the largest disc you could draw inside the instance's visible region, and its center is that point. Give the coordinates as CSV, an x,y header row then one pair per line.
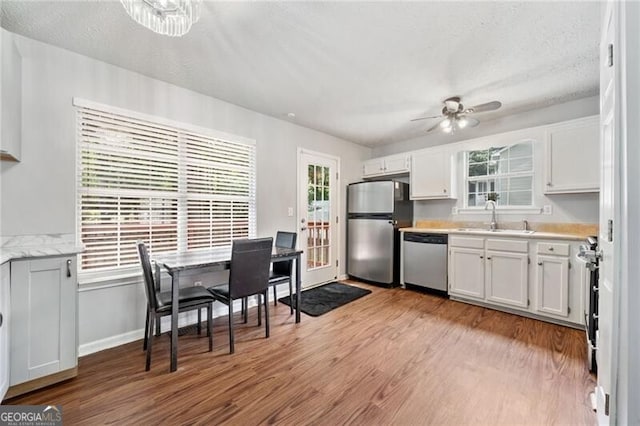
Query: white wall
x,y
38,194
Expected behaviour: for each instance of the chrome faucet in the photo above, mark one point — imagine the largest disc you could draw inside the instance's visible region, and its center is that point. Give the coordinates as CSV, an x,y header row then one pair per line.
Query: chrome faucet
x,y
494,223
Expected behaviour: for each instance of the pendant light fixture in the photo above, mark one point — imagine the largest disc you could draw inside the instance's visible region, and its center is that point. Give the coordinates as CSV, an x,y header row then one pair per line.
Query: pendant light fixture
x,y
167,17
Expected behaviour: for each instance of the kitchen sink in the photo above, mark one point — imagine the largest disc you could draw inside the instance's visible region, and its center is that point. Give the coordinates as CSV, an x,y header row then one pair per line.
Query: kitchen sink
x,y
497,231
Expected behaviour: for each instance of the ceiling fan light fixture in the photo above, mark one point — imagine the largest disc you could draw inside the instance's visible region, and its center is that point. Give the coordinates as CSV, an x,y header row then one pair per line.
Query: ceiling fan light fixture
x,y
448,129
462,123
445,123
167,17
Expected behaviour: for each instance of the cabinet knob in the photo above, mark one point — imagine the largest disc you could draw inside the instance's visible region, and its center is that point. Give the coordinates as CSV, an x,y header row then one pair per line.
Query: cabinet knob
x,y
481,257
488,257
549,184
68,268
444,190
550,248
1,319
539,263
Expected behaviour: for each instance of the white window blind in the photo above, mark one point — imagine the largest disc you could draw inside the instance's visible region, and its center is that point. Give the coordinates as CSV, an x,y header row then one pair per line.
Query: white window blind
x,y
167,185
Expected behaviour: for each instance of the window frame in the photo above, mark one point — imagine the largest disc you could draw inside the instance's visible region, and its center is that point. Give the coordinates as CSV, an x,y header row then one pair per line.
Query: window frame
x,y
516,208
124,274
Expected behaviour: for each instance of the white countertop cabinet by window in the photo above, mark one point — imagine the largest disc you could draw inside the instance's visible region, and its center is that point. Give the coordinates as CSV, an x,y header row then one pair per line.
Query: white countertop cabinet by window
x,y
44,347
532,277
392,165
489,270
572,156
433,175
5,286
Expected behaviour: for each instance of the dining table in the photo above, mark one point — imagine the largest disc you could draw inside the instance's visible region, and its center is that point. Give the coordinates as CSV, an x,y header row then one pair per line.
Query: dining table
x,y
210,260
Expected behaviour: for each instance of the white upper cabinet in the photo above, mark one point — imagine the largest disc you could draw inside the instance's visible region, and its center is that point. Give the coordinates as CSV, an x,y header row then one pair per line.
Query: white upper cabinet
x,y
433,175
572,162
382,166
11,99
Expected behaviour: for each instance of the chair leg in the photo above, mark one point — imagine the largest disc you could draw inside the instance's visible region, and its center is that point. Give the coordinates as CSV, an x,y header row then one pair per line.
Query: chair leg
x,y
290,296
157,328
231,343
266,312
152,319
147,331
259,296
199,327
275,296
245,309
209,331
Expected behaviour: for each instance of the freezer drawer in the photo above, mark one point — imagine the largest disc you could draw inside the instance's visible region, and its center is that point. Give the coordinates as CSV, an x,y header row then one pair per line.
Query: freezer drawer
x,y
370,250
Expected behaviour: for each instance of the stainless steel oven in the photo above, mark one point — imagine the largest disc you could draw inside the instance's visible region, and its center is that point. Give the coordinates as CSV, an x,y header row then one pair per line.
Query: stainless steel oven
x,y
590,255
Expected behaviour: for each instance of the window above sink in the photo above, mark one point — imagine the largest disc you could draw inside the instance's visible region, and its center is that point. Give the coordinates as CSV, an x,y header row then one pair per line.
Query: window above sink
x,y
504,174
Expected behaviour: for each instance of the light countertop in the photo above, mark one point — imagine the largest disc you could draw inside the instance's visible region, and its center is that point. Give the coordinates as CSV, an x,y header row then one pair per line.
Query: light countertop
x,y
486,232
26,246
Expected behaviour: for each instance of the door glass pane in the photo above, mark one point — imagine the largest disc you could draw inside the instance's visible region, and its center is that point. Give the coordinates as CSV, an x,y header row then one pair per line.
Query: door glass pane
x,y
318,213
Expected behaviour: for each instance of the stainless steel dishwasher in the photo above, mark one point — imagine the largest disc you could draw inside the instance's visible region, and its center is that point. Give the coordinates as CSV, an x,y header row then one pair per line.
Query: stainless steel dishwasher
x,y
425,260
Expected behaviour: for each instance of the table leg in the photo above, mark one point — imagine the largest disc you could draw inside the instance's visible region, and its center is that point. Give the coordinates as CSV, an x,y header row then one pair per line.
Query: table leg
x,y
298,289
175,284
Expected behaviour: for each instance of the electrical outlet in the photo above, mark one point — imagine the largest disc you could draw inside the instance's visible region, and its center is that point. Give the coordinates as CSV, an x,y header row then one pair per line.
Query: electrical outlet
x,y
546,209
198,283
290,212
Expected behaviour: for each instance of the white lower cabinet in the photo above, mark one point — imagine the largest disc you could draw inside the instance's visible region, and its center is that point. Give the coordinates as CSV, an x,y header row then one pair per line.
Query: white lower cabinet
x,y
507,278
43,322
5,287
498,272
491,270
466,269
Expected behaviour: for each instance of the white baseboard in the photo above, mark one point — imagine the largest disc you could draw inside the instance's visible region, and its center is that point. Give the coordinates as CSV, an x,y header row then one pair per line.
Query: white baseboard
x,y
184,320
343,277
110,342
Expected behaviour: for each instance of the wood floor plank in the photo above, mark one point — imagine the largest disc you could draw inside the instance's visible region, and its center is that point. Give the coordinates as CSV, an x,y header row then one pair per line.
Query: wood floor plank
x,y
392,357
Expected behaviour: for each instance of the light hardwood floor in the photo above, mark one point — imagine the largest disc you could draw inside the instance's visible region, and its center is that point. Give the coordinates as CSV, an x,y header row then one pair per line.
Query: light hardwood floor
x,y
393,357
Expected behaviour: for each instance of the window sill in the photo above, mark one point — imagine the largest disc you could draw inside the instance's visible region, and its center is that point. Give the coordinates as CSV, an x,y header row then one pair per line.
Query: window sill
x,y
500,210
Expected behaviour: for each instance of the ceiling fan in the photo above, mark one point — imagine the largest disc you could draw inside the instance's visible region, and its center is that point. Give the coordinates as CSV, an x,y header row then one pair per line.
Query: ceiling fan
x,y
455,115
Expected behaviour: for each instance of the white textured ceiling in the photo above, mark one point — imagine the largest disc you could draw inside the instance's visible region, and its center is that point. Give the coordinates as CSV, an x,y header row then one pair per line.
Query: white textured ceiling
x,y
356,70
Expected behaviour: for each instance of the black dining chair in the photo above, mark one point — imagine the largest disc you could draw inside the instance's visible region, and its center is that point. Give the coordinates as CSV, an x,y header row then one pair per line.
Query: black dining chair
x,y
159,303
281,272
248,276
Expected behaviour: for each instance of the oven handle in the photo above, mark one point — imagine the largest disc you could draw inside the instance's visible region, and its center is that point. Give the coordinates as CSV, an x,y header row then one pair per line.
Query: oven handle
x,y
586,331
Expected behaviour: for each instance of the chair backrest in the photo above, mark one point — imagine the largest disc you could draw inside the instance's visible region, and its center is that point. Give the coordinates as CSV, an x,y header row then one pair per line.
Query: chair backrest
x,y
149,285
250,260
284,240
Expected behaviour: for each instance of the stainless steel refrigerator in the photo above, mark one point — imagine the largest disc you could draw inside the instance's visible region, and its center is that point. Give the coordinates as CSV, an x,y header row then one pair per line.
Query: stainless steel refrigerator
x,y
375,212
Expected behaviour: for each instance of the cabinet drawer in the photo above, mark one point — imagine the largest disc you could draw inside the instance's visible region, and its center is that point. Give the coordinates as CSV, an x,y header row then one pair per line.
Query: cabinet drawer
x,y
508,245
553,248
468,242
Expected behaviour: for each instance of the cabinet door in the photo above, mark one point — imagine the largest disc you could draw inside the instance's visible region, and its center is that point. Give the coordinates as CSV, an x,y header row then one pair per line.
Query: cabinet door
x,y
552,285
4,328
373,167
43,322
11,99
565,143
507,278
398,164
466,272
431,175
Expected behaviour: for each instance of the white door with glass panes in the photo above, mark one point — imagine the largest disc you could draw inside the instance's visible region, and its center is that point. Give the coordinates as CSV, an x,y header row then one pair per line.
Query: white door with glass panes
x,y
318,216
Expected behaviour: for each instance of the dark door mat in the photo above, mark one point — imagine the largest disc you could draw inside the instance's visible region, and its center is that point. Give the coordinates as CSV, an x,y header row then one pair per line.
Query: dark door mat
x,y
320,300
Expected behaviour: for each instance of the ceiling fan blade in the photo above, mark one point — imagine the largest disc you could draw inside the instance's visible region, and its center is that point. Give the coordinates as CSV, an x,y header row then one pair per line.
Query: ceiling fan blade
x,y
471,122
425,118
489,106
435,126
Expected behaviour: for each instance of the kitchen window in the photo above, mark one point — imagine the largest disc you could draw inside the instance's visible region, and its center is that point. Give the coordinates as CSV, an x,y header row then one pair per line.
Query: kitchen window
x,y
170,185
504,174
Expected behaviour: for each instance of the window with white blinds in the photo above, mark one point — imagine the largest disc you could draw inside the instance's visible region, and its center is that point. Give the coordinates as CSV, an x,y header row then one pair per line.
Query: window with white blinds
x,y
159,182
